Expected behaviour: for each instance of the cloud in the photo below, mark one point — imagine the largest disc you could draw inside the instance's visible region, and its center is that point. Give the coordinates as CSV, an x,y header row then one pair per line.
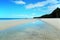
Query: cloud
x,y
53,7
52,1
42,4
20,2
39,4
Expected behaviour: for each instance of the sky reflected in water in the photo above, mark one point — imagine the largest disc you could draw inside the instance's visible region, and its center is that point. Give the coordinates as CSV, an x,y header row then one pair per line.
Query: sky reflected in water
x,y
38,30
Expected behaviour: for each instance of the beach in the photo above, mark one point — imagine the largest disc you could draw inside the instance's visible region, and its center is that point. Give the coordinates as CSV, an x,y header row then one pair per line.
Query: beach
x,y
10,23
52,21
30,29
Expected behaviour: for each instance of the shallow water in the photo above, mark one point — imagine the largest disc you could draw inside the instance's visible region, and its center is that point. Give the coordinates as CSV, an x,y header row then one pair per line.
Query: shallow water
x,y
37,30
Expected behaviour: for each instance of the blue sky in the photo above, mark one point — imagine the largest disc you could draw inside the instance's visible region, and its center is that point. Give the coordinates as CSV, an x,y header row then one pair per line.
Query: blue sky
x,y
27,8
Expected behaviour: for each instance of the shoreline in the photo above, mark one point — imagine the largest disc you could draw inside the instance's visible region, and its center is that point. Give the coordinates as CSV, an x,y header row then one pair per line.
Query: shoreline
x,y
10,23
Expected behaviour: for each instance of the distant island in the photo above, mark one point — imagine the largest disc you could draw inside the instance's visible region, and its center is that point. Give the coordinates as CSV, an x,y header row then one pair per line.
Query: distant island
x,y
54,14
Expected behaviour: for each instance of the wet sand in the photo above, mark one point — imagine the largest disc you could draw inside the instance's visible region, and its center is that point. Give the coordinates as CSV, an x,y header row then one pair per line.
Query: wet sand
x,y
10,23
31,33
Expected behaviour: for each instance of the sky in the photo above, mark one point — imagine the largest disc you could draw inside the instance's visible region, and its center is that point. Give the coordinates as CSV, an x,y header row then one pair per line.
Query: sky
x,y
27,8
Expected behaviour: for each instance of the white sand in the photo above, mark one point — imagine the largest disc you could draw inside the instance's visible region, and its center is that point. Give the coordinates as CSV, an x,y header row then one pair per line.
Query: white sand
x,y
11,23
54,22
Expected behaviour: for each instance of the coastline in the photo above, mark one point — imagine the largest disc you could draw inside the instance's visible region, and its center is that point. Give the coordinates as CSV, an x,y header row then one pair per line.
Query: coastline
x,y
10,23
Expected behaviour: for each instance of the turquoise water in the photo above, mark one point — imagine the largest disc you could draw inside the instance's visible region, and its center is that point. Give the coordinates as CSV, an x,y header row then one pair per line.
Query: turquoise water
x,y
10,18
38,30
